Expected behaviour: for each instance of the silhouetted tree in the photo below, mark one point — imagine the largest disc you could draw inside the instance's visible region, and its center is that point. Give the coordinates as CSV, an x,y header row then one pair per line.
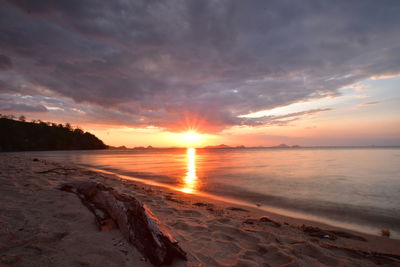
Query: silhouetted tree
x,y
78,131
68,126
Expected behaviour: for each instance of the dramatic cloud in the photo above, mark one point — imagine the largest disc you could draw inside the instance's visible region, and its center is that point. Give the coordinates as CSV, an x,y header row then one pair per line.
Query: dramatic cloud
x,y
278,120
5,63
4,106
179,64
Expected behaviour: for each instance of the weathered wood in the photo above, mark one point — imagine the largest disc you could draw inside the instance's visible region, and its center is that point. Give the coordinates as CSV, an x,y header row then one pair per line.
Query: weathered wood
x,y
135,220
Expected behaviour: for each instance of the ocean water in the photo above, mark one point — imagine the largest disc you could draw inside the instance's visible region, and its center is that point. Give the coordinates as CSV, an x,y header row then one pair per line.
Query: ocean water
x,y
355,188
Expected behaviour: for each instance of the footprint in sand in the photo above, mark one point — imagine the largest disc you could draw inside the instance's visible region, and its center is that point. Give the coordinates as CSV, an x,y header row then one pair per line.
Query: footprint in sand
x,y
312,251
165,211
245,237
193,213
184,225
278,255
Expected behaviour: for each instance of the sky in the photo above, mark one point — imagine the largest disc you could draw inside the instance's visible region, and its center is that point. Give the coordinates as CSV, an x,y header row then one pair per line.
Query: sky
x,y
253,73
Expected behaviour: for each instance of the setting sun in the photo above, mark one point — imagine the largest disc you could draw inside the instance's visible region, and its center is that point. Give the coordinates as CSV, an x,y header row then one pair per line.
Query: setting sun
x,y
191,138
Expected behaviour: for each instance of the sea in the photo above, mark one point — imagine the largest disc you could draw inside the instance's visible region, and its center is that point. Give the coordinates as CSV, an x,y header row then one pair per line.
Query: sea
x,y
353,188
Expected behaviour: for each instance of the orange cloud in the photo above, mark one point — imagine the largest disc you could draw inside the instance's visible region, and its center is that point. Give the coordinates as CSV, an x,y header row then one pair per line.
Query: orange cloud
x,y
368,104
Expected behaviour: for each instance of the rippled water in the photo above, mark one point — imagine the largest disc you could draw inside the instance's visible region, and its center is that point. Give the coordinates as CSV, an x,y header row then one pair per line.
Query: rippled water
x,y
357,188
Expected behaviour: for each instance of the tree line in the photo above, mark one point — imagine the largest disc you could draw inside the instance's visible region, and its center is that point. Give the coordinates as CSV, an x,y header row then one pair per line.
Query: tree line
x,y
20,135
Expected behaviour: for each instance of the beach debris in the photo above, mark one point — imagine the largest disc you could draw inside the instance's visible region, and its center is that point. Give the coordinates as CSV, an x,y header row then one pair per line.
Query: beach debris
x,y
201,204
135,220
58,170
249,221
385,232
149,190
269,221
170,198
348,235
330,234
317,232
264,221
237,209
216,211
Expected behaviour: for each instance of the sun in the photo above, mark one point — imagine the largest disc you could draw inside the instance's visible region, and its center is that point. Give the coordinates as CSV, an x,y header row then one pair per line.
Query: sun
x,y
191,138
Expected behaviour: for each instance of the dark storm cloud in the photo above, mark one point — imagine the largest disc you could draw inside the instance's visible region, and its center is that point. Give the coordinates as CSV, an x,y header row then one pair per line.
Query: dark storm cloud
x,y
5,63
176,64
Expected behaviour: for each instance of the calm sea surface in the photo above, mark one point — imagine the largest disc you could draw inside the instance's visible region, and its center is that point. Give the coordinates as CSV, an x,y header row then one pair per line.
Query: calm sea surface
x,y
356,188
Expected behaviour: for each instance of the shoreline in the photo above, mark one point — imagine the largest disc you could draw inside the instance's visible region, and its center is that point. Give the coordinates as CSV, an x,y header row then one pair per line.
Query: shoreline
x,y
348,202
211,231
273,211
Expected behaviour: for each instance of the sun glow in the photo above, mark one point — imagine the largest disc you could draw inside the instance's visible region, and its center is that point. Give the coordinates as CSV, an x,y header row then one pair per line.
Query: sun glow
x,y
191,138
190,180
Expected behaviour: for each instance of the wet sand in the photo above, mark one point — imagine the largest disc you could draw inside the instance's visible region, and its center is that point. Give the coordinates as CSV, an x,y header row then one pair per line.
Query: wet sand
x,y
43,226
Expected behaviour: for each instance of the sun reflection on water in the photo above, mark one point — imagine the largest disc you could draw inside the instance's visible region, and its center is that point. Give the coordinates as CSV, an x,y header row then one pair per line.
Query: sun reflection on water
x,y
190,180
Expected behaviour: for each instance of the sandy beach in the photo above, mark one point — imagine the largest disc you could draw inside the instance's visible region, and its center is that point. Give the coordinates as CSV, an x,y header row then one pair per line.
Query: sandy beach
x,y
43,226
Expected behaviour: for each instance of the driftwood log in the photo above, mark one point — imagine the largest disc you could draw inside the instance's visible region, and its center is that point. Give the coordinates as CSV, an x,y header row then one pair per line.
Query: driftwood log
x,y
135,220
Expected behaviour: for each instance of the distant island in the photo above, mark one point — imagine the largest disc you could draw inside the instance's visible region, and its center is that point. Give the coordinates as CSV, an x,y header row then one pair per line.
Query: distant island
x,y
221,146
19,135
218,146
242,146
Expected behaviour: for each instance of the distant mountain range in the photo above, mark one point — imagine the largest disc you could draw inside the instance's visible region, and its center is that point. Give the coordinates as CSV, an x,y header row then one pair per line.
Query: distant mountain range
x,y
221,146
242,146
283,146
